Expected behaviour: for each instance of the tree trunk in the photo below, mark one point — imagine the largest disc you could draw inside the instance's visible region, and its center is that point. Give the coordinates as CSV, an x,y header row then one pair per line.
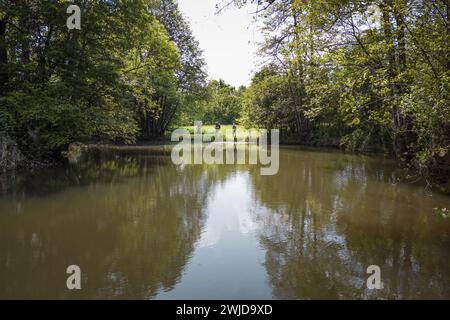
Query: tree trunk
x,y
4,77
386,8
405,120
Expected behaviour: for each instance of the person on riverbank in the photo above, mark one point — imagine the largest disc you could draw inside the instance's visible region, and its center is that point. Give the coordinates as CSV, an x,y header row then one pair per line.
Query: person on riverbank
x,y
234,132
218,126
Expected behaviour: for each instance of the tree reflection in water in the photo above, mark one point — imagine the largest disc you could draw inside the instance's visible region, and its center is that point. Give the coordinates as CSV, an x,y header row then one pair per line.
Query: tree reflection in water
x,y
326,217
131,228
133,221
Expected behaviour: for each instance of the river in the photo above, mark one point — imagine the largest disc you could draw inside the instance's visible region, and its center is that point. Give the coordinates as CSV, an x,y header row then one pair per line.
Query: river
x,y
140,227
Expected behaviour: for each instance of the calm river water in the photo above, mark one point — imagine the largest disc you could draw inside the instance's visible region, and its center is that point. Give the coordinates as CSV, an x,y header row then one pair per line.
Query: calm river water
x,y
140,227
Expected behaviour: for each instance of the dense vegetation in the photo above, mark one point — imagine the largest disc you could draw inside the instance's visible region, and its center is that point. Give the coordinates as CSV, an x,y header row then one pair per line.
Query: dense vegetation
x,y
368,75
124,75
220,102
362,75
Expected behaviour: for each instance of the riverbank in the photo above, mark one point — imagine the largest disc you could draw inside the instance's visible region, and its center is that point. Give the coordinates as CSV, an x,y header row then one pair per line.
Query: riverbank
x,y
437,179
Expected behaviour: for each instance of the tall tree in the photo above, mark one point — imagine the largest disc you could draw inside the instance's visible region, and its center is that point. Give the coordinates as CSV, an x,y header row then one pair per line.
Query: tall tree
x,y
66,85
190,74
367,75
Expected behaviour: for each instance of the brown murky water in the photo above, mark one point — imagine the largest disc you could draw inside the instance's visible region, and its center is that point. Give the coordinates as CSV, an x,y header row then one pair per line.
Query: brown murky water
x,y
140,227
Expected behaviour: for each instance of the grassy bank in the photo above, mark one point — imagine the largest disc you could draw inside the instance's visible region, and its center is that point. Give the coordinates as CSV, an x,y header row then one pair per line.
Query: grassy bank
x,y
208,131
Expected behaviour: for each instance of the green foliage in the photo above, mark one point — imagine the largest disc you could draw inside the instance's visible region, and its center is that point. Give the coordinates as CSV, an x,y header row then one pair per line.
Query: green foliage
x,y
219,102
267,101
364,75
184,95
121,77
443,213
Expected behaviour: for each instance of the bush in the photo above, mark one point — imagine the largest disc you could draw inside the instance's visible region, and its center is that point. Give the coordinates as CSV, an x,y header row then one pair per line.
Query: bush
x,y
10,155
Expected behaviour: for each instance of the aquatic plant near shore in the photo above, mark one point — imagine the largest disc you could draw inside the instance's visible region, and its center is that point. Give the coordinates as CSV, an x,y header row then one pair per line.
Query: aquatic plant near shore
x,y
444,213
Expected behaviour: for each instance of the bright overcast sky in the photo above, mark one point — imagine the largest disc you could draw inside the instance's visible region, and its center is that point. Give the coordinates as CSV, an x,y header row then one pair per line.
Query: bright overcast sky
x,y
229,40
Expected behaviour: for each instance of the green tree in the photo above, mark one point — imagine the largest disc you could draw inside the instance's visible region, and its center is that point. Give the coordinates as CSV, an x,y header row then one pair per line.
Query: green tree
x,y
363,75
98,83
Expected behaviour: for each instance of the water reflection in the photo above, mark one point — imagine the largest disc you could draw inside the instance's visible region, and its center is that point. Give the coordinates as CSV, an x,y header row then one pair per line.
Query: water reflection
x,y
123,231
141,228
342,214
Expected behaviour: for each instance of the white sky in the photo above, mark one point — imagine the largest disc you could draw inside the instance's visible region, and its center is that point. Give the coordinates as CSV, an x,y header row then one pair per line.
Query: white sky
x,y
229,40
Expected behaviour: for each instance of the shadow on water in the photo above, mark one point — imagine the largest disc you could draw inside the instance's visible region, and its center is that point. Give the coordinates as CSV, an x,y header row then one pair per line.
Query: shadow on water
x,y
111,215
94,167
